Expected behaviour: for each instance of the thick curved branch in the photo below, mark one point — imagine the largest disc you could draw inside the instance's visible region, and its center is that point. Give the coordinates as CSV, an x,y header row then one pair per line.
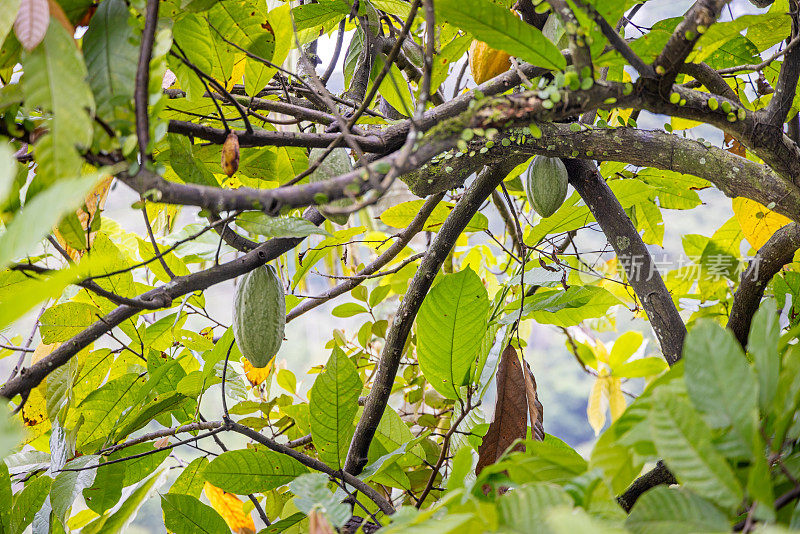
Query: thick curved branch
x,y
177,287
632,253
271,201
378,397
390,253
697,20
769,260
731,174
786,86
142,88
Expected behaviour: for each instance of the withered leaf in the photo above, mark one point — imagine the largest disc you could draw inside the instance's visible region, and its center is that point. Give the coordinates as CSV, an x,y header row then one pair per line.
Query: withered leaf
x,y
535,408
511,411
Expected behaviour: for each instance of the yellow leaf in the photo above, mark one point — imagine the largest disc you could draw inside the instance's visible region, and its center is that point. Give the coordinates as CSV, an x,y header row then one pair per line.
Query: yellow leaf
x,y
238,72
34,412
93,203
257,375
229,506
758,223
485,62
616,400
601,352
595,410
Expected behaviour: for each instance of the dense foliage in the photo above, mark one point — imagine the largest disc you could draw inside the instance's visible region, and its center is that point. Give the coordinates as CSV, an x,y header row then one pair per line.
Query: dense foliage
x,y
225,144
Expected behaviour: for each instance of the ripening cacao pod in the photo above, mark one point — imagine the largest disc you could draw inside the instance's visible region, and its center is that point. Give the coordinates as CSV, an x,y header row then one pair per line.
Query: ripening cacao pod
x,y
259,315
230,154
546,185
336,164
485,62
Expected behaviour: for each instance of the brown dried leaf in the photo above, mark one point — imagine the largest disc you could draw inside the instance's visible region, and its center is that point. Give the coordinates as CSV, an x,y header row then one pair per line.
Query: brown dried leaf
x,y
732,145
535,408
510,414
31,23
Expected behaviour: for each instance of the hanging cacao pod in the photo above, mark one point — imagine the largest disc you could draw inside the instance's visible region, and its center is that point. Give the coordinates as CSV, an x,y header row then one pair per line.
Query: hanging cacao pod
x,y
336,164
259,315
485,62
546,185
230,154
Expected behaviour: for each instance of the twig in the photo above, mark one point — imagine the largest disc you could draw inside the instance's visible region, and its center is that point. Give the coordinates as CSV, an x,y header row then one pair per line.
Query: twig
x,y
142,88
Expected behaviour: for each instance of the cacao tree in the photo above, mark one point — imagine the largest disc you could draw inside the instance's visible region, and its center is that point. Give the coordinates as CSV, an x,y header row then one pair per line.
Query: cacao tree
x,y
297,266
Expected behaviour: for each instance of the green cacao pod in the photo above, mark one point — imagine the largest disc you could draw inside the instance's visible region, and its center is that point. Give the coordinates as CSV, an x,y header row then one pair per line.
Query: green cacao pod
x,y
546,185
259,315
336,164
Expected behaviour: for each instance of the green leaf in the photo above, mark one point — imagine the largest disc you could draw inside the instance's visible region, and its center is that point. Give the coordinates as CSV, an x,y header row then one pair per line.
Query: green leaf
x,y
550,460
36,219
101,408
7,17
762,343
62,321
312,493
69,484
137,469
55,80
450,328
320,14
126,513
181,158
251,471
684,441
106,489
184,514
664,510
394,88
348,309
500,29
5,498
565,308
239,23
27,502
262,224
190,481
715,362
284,524
401,215
195,36
528,505
332,404
640,368
111,57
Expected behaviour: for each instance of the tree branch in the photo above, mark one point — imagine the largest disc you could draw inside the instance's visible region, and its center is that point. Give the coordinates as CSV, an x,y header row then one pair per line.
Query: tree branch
x,y
786,86
378,397
778,251
697,20
642,273
179,286
656,477
141,91
384,505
